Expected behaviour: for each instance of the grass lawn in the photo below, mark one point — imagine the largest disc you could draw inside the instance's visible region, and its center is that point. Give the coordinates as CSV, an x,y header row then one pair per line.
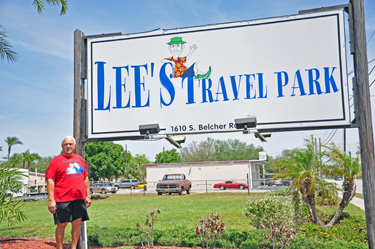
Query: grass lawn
x,y
359,195
123,210
351,209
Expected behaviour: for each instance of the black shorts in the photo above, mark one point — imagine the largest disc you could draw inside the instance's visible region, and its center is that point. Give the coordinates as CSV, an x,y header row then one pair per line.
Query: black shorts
x,y
70,211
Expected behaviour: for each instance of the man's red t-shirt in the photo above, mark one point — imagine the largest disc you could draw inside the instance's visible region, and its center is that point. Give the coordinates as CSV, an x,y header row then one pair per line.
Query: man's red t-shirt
x,y
68,173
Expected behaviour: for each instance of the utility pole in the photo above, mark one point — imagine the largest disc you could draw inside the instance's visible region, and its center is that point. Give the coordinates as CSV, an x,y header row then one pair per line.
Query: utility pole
x,y
79,124
345,140
126,149
163,153
320,154
363,113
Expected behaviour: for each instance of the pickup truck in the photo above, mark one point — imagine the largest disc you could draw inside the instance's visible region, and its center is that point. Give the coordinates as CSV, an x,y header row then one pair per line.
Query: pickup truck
x,y
173,183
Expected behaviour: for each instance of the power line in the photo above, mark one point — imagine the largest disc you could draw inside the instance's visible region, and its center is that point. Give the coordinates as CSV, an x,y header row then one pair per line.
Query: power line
x,y
370,37
370,95
330,138
371,70
28,135
372,82
352,71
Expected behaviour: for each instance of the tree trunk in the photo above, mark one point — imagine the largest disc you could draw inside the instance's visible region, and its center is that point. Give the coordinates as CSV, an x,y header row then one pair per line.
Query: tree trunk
x,y
23,163
336,216
309,199
347,196
8,155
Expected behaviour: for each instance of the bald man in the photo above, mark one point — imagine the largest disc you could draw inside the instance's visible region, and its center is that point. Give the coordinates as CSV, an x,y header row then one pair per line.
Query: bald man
x,y
68,191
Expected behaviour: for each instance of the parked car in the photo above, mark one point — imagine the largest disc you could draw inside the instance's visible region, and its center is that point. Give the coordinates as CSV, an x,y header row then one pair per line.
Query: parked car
x,y
102,188
141,185
230,184
287,181
277,182
339,178
267,181
173,183
282,182
127,183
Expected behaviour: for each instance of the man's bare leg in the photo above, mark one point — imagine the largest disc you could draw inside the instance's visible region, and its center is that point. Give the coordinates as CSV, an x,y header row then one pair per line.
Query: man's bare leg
x,y
60,229
76,229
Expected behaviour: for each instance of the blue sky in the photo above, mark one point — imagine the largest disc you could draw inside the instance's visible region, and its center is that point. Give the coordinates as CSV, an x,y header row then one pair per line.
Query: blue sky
x,y
37,91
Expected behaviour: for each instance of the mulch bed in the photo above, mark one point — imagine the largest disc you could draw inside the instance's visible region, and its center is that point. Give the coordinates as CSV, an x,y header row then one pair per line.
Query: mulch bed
x,y
35,243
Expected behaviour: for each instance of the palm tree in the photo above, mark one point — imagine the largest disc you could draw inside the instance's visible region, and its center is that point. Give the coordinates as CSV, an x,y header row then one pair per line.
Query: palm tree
x,y
33,157
39,4
303,166
348,167
15,159
12,141
6,48
25,157
327,190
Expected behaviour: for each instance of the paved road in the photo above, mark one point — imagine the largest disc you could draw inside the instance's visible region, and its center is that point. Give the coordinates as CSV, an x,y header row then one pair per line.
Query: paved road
x,y
358,183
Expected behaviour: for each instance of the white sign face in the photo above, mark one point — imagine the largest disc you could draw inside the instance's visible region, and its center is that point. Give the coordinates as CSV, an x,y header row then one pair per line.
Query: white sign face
x,y
262,156
289,72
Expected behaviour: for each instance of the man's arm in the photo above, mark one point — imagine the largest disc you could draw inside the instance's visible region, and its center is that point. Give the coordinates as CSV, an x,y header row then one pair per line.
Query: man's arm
x,y
51,195
192,49
87,188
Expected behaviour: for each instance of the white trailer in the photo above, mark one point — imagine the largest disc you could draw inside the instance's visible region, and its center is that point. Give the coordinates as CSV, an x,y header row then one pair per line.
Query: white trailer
x,y
205,174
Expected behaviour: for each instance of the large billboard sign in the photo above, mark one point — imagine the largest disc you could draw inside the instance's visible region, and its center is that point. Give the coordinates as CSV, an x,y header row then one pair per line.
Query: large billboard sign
x,y
289,72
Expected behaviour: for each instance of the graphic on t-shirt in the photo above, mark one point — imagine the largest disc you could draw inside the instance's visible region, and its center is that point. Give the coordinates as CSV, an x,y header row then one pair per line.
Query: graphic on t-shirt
x,y
176,46
79,169
74,168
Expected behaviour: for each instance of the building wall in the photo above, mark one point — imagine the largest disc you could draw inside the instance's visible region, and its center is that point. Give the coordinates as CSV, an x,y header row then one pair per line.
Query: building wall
x,y
41,180
206,174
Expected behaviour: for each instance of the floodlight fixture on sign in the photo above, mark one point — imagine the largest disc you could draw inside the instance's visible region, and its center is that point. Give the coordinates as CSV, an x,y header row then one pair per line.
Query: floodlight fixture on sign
x,y
176,140
246,123
266,134
148,129
179,138
260,136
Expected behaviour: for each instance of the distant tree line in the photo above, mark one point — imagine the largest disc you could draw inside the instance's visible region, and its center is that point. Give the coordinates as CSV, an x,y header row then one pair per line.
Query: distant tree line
x,y
109,161
215,150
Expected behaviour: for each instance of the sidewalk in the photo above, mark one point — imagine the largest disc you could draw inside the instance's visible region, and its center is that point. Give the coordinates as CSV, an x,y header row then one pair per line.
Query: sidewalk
x,y
356,201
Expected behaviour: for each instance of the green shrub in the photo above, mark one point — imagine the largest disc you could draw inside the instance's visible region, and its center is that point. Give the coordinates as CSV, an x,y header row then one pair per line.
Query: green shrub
x,y
350,229
103,236
232,238
262,210
279,192
179,235
255,240
332,201
304,242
